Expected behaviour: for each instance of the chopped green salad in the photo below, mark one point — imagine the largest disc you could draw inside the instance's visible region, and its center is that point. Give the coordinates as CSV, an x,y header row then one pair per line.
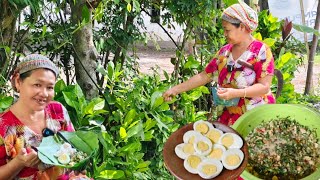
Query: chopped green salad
x,y
283,149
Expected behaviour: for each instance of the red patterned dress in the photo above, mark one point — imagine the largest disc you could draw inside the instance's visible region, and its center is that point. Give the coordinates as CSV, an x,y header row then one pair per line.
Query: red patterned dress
x,y
259,56
14,135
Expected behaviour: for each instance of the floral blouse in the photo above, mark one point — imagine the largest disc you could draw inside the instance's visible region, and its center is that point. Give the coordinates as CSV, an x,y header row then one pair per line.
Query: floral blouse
x,y
260,62
14,135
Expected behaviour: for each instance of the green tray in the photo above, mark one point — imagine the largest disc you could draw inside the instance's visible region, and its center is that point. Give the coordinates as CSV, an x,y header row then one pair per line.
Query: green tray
x,y
301,113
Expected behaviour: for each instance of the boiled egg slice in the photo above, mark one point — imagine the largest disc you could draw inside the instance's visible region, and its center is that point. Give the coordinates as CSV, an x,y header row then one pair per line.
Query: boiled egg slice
x,y
202,126
190,136
231,140
214,134
192,162
232,158
183,150
203,145
210,168
216,152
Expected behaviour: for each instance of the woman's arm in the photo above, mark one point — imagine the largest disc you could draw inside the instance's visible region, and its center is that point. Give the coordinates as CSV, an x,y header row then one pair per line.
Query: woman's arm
x,y
194,82
259,89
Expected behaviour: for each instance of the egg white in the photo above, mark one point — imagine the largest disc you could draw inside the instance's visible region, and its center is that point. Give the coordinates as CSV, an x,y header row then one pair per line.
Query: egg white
x,y
216,163
205,140
189,135
231,152
237,141
181,153
205,124
188,167
214,147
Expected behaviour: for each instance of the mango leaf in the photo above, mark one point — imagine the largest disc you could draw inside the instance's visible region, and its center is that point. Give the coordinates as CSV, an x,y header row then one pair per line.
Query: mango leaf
x,y
123,133
129,7
129,117
86,14
111,174
156,99
94,105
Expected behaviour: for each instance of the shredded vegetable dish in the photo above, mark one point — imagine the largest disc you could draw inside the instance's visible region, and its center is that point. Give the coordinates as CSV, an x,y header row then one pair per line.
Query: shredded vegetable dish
x,y
282,149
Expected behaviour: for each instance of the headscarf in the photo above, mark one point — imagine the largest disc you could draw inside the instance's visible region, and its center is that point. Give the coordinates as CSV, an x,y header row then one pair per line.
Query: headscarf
x,y
241,12
32,62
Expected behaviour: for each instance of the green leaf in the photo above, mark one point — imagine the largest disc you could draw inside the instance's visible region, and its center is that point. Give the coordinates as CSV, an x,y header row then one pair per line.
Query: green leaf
x,y
86,14
6,102
44,30
136,6
269,41
156,99
116,1
49,146
94,105
111,70
129,7
59,86
129,117
70,99
84,140
123,133
131,147
192,63
306,29
230,2
111,174
137,129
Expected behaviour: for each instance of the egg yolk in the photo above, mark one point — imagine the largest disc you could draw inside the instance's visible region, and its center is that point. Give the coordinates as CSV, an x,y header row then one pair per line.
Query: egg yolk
x,y
209,169
191,140
213,135
202,146
188,149
216,153
233,160
193,161
227,141
202,128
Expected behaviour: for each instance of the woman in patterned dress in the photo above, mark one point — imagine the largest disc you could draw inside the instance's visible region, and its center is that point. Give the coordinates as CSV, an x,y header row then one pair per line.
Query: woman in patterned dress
x,y
22,125
245,66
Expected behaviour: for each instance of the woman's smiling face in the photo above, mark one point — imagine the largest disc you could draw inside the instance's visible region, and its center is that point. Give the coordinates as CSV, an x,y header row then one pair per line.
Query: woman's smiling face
x,y
36,90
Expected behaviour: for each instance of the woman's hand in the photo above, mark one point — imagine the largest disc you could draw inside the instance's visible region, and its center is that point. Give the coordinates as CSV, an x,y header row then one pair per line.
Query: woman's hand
x,y
226,93
28,157
169,94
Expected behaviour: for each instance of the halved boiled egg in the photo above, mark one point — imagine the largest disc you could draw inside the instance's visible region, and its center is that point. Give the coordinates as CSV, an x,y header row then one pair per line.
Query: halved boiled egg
x,y
64,158
183,150
231,140
210,168
203,145
192,162
202,126
232,158
216,152
214,134
190,136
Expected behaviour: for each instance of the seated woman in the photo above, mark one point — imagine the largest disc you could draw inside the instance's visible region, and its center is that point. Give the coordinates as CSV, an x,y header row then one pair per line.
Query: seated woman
x,y
23,123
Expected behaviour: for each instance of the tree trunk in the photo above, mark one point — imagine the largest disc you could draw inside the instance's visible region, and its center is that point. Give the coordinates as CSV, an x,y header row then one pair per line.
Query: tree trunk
x,y
85,52
263,5
312,54
8,17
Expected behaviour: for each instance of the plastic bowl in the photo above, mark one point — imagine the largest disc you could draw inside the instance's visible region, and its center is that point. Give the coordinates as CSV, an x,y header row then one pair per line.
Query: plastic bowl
x,y
302,114
218,101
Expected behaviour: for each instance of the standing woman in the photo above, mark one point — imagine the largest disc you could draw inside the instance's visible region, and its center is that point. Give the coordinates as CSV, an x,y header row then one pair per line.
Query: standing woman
x,y
23,123
245,66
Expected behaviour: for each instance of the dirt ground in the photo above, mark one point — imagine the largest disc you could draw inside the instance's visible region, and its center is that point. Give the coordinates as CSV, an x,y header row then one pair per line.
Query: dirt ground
x,y
149,57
